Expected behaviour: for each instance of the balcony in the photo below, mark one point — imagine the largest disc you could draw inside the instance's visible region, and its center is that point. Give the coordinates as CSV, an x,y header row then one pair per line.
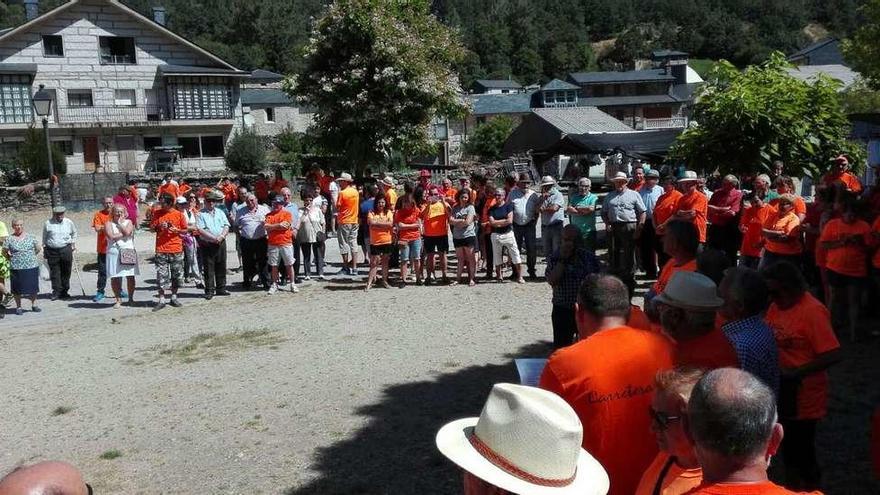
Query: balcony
x,y
139,115
665,123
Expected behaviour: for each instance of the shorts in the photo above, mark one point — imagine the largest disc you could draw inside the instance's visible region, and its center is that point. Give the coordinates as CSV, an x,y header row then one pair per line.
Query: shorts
x,y
501,241
436,244
381,249
467,242
839,280
363,235
285,253
347,234
410,250
169,270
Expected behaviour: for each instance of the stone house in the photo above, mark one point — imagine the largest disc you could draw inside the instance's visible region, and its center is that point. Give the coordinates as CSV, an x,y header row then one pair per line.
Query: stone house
x,y
123,85
268,110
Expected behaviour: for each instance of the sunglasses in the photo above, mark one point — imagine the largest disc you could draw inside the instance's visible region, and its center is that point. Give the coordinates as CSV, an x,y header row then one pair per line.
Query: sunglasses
x,y
661,418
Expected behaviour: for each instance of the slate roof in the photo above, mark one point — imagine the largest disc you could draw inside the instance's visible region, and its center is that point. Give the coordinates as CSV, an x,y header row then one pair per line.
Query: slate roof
x,y
668,53
841,73
620,77
580,120
607,101
181,70
260,75
810,48
498,84
18,68
257,97
558,85
500,104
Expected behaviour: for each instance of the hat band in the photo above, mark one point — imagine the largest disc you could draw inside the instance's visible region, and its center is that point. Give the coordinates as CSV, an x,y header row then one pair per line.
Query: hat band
x,y
508,467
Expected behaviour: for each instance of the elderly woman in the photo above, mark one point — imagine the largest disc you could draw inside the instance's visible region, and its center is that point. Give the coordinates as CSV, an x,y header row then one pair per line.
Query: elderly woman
x,y
782,234
191,264
122,259
5,296
22,250
785,185
310,234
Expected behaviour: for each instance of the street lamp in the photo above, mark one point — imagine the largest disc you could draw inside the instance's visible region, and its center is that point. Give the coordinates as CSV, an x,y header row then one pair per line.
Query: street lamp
x,y
42,101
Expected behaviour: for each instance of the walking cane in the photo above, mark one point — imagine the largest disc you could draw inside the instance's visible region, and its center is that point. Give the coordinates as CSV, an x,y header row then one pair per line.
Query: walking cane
x,y
78,276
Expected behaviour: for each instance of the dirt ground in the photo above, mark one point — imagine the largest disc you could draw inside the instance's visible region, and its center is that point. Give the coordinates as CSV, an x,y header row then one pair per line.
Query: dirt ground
x,y
329,391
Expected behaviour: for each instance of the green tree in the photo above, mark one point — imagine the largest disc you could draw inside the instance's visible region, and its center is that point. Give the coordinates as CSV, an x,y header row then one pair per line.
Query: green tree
x,y
746,120
488,139
378,72
246,153
860,98
862,49
33,158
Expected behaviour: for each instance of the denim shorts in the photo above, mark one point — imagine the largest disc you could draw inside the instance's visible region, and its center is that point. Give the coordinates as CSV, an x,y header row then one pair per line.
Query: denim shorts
x,y
410,250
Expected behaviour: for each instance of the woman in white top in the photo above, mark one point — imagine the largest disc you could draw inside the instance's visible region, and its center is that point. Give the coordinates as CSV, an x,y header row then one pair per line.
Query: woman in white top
x,y
122,259
311,235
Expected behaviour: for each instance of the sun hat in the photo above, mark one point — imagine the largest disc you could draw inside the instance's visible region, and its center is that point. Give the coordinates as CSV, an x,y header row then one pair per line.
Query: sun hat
x,y
548,181
425,173
652,174
388,181
59,209
215,195
526,441
689,175
344,177
620,176
691,290
181,200
278,199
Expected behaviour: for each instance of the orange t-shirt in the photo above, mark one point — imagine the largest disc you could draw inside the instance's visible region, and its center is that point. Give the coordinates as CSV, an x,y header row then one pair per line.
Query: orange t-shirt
x,y
408,216
380,234
851,182
668,270
278,237
710,351
170,188
229,192
166,241
803,332
665,206
611,392
676,480
436,219
875,229
484,215
753,219
638,319
347,206
98,222
762,488
278,185
851,259
450,194
699,203
787,223
390,198
184,188
800,207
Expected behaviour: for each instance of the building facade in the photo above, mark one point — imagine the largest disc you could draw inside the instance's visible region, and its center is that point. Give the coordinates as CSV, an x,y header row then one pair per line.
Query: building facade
x,y
123,86
268,110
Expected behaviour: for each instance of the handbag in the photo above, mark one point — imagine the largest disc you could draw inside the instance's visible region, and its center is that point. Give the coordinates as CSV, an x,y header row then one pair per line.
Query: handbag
x,y
128,256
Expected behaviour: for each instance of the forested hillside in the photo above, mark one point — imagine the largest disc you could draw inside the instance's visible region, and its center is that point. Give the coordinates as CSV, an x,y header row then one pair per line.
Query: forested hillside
x,y
530,40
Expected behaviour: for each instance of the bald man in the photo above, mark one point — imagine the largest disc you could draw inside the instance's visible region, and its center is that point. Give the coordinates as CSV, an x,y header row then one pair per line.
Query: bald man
x,y
49,477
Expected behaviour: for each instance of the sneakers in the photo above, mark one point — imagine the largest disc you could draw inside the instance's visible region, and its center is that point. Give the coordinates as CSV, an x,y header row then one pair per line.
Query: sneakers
x,y
123,294
273,289
159,305
307,278
175,302
99,296
294,288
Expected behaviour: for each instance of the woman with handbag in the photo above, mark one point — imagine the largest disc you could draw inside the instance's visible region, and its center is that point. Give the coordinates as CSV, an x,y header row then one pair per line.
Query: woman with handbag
x,y
122,259
311,235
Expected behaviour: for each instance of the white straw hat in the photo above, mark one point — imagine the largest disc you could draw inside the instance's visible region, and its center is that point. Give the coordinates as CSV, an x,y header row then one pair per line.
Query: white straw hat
x,y
689,175
691,290
526,441
620,176
548,180
344,177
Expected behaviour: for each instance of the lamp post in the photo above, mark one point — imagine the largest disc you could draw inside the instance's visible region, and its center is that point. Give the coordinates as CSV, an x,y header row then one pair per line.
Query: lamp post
x,y
42,101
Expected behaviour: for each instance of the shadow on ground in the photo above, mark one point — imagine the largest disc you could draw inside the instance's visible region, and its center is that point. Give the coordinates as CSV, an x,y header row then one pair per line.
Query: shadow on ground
x,y
395,452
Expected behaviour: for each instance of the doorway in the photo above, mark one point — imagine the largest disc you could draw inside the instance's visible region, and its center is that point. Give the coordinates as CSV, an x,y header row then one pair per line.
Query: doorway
x,y
91,157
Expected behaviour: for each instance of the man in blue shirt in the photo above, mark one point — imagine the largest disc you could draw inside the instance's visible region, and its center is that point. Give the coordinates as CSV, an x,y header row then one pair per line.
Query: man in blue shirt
x,y
213,225
650,192
525,219
552,215
566,269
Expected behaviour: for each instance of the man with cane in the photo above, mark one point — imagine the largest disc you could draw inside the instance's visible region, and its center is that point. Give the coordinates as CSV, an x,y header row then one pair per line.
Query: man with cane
x,y
59,243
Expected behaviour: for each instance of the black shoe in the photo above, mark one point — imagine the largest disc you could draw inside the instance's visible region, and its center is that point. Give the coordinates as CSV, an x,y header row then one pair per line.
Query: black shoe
x,y
533,275
200,285
223,293
175,303
54,297
158,306
65,297
209,296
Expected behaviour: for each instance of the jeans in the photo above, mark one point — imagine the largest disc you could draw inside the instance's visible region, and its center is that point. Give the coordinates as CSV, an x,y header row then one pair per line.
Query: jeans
x,y
191,265
621,252
253,260
526,235
306,250
102,272
213,259
646,244
564,326
410,250
551,237
725,238
60,261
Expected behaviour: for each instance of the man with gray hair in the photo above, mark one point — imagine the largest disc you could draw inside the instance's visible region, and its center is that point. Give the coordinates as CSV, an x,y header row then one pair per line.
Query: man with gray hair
x,y
762,188
732,420
723,215
525,219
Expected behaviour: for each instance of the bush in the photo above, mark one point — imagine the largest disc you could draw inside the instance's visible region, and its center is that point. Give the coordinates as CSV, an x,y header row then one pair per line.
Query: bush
x,y
246,153
488,139
32,156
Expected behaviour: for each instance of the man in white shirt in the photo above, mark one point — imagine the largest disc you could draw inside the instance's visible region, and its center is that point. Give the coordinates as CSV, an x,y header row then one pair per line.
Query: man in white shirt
x,y
59,243
525,219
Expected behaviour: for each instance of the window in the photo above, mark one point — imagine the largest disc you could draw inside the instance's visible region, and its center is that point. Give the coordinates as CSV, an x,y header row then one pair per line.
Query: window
x,y
116,50
79,98
190,147
200,98
270,114
571,96
15,99
53,46
212,146
151,142
124,98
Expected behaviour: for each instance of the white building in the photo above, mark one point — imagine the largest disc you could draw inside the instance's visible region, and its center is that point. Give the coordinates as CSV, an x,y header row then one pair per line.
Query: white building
x,y
122,83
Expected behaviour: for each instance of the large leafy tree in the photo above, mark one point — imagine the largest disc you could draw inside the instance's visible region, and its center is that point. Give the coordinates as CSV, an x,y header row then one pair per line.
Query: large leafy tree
x,y
746,120
862,50
378,72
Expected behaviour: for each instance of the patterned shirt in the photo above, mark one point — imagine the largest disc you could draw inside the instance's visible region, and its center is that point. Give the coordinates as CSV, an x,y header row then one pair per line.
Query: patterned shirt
x,y
756,349
565,292
22,252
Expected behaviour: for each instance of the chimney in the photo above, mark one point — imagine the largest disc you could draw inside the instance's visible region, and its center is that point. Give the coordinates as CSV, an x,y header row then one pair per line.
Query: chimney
x,y
159,15
31,9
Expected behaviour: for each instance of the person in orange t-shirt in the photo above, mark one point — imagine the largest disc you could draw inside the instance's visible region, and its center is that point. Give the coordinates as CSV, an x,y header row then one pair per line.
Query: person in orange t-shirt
x,y
184,188
782,234
168,224
846,241
610,391
261,188
681,244
751,224
347,209
664,208
732,422
381,222
99,220
435,218
675,470
279,233
785,185
807,348
230,192
409,238
839,173
693,206
279,183
169,185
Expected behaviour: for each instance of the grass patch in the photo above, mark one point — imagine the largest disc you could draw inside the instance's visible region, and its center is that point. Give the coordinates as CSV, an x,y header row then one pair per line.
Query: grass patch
x,y
210,345
451,364
61,410
505,317
109,455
